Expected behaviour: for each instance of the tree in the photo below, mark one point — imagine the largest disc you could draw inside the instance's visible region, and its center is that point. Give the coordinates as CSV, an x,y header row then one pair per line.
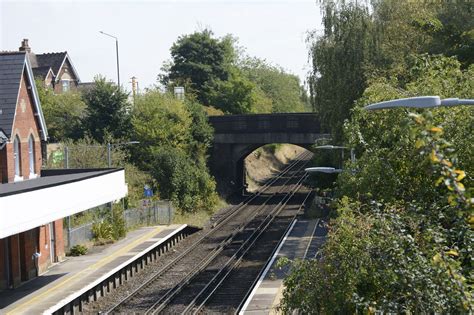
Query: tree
x,y
206,67
233,96
63,113
107,111
174,138
401,239
339,57
198,61
281,88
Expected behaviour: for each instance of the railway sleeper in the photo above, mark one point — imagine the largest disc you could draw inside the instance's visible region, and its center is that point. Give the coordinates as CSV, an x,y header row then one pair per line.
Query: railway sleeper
x,y
75,306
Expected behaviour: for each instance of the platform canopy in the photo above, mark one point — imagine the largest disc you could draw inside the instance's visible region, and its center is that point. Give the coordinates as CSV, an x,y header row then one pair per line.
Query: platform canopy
x,y
55,195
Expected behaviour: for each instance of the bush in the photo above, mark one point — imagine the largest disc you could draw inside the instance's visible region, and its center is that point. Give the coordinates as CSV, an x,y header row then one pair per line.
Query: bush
x,y
103,232
379,261
78,250
184,182
117,220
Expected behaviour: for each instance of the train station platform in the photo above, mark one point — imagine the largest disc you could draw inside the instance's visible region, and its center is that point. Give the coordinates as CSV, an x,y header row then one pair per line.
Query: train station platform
x,y
303,241
66,279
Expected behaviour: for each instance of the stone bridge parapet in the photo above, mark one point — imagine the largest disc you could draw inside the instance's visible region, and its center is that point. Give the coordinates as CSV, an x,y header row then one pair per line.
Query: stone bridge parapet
x,y
236,136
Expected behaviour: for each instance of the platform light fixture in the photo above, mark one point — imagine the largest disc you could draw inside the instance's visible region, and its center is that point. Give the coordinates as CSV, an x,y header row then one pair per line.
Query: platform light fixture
x,y
420,102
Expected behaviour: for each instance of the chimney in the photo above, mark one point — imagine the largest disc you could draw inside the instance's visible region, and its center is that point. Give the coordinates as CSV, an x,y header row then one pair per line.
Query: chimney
x,y
24,46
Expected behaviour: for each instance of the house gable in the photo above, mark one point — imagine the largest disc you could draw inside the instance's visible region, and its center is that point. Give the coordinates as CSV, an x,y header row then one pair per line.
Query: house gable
x,y
25,125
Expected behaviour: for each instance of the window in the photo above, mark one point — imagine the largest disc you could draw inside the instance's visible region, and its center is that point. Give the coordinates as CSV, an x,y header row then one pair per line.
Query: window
x,y
31,154
17,157
65,85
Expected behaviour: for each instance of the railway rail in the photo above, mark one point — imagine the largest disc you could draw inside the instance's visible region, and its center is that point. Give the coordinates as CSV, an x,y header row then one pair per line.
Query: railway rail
x,y
231,236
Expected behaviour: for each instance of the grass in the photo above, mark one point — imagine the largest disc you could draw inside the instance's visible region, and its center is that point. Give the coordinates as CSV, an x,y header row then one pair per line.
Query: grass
x,y
198,219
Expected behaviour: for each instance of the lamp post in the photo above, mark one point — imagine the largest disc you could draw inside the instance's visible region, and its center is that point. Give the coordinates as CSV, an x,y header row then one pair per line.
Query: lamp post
x,y
117,52
420,102
323,169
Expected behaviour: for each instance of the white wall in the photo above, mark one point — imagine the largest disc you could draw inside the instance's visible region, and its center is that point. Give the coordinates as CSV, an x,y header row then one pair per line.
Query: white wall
x,y
24,211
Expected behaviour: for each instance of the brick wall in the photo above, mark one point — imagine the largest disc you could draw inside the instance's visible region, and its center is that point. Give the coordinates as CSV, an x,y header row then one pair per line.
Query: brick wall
x,y
58,229
25,124
67,73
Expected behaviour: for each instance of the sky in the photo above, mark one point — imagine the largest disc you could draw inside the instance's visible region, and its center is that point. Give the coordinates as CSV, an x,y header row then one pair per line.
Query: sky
x,y
274,30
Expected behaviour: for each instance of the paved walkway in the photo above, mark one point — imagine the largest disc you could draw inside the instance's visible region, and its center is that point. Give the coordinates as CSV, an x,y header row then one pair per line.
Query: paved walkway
x,y
303,242
75,273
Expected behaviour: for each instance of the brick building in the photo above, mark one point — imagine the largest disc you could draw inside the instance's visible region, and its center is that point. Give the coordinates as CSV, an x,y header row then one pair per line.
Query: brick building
x,y
54,69
33,202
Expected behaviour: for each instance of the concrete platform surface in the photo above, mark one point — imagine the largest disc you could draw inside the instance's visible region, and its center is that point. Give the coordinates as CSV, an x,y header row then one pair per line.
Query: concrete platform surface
x,y
303,242
75,273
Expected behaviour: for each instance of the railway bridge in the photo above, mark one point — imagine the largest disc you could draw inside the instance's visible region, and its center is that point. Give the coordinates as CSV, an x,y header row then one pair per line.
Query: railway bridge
x,y
236,136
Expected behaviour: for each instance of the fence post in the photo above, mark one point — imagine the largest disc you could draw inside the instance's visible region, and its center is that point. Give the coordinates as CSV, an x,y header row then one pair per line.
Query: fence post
x,y
169,213
155,209
66,157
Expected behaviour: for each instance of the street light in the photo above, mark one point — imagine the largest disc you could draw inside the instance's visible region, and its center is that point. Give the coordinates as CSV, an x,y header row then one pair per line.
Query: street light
x,y
323,169
420,102
116,50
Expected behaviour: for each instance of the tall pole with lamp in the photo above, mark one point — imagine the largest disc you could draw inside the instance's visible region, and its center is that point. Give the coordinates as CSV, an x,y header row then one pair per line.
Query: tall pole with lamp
x,y
117,53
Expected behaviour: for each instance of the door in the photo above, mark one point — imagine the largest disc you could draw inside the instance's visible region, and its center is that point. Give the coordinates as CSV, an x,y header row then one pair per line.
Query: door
x,y
23,271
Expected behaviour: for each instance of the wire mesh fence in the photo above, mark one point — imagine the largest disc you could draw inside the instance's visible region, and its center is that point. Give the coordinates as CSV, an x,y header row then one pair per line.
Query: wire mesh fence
x,y
158,212
150,213
79,235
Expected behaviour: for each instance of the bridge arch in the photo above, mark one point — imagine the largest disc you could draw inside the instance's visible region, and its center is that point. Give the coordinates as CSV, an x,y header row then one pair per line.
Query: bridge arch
x,y
245,152
236,136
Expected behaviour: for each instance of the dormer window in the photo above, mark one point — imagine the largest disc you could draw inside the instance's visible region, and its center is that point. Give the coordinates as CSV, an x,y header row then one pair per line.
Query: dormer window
x,y
65,85
31,155
17,158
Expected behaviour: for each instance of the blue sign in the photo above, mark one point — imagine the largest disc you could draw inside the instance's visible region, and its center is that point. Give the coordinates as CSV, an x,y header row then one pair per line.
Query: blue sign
x,y
147,191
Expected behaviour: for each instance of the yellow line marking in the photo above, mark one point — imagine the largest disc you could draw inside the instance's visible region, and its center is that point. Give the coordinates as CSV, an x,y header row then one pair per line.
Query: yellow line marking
x,y
93,267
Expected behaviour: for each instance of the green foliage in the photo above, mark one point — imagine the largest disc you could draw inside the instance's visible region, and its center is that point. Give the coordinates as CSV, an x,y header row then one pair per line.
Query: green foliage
x,y
160,119
378,40
63,113
379,261
88,153
282,89
176,136
187,184
103,231
233,96
107,111
338,58
389,166
117,221
110,228
455,36
201,132
199,61
78,250
402,241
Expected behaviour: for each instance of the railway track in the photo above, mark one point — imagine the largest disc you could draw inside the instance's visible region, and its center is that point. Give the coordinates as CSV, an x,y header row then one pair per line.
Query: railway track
x,y
228,280
236,227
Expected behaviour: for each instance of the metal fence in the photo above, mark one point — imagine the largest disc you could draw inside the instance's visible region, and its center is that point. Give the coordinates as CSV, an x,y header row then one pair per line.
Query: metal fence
x,y
150,213
154,213
79,235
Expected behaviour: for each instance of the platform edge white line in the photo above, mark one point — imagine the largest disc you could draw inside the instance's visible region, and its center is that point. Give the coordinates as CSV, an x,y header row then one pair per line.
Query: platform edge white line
x,y
262,277
99,280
